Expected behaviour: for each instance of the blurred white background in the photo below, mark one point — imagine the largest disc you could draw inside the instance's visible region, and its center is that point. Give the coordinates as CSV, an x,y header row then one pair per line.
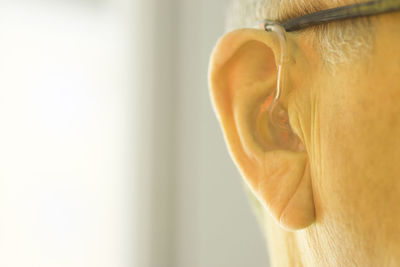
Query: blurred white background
x,y
110,152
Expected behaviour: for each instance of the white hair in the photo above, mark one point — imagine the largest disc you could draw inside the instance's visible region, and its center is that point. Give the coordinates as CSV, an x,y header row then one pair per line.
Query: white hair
x,y
339,42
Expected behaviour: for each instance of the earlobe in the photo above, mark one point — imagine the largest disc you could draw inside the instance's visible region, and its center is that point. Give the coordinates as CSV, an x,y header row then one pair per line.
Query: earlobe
x,y
284,188
300,211
243,74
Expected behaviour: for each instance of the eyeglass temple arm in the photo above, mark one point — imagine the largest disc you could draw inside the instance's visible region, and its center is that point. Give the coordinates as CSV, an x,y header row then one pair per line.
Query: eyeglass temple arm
x,y
340,13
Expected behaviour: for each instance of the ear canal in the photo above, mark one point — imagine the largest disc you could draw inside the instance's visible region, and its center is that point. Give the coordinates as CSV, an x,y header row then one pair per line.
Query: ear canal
x,y
270,157
273,124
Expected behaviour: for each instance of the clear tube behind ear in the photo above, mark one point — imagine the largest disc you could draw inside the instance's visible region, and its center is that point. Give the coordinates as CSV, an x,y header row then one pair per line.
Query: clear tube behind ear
x,y
278,118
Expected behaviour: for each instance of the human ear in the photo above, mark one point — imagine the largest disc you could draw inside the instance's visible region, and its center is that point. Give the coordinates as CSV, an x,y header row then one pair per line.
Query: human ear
x,y
242,74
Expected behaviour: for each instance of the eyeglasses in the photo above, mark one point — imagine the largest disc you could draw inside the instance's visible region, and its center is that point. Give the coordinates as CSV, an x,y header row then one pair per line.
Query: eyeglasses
x,y
339,13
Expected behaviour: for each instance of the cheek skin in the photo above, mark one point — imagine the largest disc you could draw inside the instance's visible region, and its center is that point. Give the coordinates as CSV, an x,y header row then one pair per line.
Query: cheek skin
x,y
355,153
350,124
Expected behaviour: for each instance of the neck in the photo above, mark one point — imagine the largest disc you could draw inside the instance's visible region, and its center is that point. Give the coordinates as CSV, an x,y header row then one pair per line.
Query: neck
x,y
318,246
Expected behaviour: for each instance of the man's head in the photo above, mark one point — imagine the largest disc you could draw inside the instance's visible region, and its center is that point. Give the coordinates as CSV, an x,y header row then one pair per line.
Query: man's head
x,y
341,95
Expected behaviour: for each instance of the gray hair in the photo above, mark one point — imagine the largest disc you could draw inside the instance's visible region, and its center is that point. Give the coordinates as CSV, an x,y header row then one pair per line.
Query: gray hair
x,y
339,42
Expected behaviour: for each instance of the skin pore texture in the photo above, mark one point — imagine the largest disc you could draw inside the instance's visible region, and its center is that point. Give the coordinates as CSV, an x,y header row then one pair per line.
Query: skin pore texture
x,y
336,203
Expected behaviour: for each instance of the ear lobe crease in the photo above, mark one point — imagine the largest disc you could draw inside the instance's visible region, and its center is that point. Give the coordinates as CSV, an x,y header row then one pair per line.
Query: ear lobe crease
x,y
300,180
299,212
285,189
